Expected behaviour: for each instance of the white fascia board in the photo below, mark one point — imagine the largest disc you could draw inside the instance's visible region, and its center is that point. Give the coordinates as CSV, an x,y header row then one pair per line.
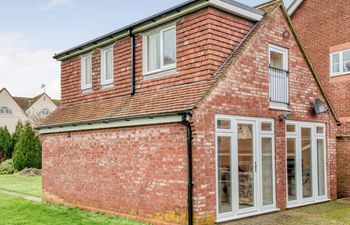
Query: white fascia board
x,y
239,11
113,124
294,6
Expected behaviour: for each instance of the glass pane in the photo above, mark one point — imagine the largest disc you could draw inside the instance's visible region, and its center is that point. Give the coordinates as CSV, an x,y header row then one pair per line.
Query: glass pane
x,y
266,126
224,174
245,165
153,52
306,162
276,60
346,61
267,172
320,130
109,65
224,124
87,70
321,167
291,172
169,40
290,128
336,63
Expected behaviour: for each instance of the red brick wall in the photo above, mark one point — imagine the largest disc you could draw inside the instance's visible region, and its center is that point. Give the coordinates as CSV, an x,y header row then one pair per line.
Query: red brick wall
x,y
201,48
343,175
318,32
244,92
137,171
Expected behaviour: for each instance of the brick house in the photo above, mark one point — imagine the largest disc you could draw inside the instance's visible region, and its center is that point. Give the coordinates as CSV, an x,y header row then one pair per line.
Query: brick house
x,y
329,51
200,113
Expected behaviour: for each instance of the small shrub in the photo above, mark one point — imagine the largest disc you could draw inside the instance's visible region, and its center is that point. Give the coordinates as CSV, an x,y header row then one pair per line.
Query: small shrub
x,y
27,152
6,146
6,167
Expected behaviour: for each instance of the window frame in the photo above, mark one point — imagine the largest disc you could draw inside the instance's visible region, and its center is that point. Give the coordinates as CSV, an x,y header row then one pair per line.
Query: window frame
x,y
280,50
163,67
85,86
46,110
341,63
104,80
5,108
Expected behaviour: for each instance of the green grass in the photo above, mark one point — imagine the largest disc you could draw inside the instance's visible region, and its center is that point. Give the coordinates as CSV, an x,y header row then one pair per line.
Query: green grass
x,y
21,184
17,211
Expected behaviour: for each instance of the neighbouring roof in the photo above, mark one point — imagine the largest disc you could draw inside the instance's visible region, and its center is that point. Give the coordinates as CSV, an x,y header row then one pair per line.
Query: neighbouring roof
x,y
26,102
231,5
294,6
173,100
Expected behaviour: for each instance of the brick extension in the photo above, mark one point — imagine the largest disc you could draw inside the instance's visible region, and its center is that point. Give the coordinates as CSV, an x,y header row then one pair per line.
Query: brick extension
x,y
141,171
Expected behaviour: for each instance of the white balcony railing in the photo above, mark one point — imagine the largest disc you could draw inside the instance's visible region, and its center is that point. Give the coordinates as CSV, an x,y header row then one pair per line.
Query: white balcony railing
x,y
279,91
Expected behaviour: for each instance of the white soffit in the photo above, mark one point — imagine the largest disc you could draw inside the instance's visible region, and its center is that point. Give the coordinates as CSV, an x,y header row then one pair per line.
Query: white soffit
x,y
294,6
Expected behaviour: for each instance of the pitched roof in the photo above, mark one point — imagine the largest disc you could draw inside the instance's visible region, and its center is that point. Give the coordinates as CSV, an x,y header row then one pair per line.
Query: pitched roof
x,y
177,99
26,102
161,17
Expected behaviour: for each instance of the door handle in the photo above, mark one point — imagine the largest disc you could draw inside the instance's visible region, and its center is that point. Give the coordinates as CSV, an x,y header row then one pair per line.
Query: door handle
x,y
255,166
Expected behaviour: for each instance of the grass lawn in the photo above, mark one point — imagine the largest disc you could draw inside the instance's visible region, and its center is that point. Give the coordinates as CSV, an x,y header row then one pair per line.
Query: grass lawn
x,y
21,184
18,211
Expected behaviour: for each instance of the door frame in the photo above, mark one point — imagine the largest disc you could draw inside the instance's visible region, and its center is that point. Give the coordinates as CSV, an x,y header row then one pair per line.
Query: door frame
x,y
298,161
258,134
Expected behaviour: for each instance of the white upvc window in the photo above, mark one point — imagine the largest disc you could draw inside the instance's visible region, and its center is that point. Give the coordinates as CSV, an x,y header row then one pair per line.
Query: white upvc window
x,y
340,62
86,71
107,71
5,111
159,50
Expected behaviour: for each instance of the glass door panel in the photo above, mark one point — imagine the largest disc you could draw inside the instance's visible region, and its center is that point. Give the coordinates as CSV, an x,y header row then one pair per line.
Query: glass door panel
x,y
245,165
267,172
291,169
306,149
224,174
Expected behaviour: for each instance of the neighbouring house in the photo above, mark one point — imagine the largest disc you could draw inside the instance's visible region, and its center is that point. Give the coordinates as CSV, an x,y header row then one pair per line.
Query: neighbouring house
x,y
325,34
14,109
202,113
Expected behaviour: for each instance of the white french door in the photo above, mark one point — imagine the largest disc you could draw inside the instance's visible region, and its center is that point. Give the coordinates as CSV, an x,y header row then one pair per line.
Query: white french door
x,y
245,166
306,163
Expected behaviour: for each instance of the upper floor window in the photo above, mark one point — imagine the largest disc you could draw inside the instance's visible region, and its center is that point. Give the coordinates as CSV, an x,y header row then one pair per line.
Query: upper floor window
x,y
86,72
107,65
160,50
44,112
5,111
340,62
278,77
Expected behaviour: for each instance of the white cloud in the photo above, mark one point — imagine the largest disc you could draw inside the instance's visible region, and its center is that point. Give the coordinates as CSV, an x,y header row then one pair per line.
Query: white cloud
x,y
23,69
53,4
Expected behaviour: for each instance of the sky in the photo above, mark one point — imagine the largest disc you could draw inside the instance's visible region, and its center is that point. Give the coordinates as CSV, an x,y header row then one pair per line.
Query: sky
x,y
32,31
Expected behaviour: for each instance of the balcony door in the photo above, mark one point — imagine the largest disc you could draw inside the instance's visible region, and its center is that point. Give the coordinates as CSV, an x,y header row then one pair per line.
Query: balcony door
x,y
245,166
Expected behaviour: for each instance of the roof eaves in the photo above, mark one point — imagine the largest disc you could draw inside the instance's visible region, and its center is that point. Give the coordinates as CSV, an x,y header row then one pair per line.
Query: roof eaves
x,y
159,18
294,6
309,63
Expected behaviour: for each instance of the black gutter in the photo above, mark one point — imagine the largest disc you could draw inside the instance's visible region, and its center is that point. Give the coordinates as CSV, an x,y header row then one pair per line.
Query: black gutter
x,y
133,46
189,170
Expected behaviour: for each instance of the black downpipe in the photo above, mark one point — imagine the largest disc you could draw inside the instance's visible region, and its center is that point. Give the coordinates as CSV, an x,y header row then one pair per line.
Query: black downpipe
x,y
189,171
133,46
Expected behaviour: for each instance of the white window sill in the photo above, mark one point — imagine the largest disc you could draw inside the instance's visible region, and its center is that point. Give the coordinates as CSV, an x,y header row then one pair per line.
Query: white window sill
x,y
279,106
86,90
107,85
159,74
